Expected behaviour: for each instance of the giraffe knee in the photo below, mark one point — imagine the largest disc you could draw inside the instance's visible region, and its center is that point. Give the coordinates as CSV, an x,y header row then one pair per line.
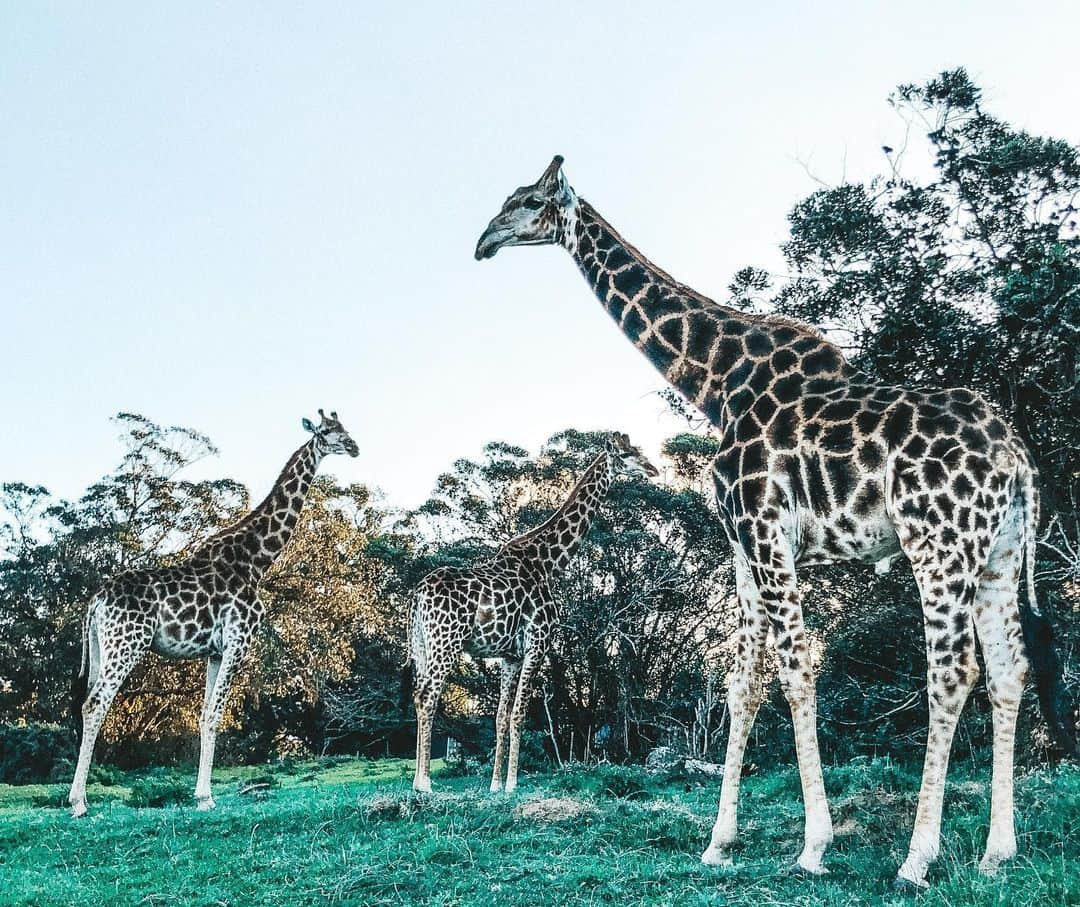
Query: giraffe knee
x,y
1006,685
743,698
949,685
796,681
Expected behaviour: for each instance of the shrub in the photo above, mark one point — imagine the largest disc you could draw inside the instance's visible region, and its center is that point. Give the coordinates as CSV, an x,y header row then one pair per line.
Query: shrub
x,y
29,754
159,789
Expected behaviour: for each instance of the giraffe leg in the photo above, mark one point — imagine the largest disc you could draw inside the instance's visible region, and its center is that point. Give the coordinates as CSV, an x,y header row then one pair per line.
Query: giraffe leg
x,y
743,699
206,739
783,604
508,681
429,690
998,626
530,665
113,665
213,709
951,671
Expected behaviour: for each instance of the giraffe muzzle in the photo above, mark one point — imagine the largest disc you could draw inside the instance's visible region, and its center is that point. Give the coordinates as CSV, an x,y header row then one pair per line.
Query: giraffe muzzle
x,y
490,242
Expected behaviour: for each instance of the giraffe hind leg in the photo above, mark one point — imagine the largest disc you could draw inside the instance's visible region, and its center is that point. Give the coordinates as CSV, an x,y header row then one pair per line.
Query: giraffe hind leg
x,y
114,662
429,689
951,671
997,623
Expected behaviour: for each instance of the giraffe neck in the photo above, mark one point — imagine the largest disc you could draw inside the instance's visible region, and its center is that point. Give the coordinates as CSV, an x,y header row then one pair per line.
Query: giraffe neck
x,y
705,350
557,538
269,527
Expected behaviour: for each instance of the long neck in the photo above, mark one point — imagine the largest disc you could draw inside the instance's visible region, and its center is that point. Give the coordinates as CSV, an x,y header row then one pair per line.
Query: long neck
x,y
705,350
270,525
557,538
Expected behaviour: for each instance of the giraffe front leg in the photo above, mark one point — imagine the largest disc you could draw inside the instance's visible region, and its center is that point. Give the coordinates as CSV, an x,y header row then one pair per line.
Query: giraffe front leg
x,y
207,737
743,698
797,683
218,686
508,680
529,667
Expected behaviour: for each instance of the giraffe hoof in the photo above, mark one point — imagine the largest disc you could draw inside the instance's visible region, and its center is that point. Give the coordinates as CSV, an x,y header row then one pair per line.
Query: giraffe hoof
x,y
78,810
991,864
716,856
798,871
422,787
496,788
205,804
905,886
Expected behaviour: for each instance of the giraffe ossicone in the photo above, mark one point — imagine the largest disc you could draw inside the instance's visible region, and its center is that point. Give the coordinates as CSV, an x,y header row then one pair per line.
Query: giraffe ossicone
x,y
504,608
204,607
820,463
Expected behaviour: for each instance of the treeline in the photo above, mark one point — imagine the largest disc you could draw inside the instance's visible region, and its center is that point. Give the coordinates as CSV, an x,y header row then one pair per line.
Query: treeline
x,y
968,275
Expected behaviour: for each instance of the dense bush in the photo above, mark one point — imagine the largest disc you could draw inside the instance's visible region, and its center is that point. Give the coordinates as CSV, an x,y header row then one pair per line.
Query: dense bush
x,y
34,753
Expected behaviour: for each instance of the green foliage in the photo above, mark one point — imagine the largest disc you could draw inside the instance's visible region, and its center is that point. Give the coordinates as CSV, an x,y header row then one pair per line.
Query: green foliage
x,y
33,752
159,788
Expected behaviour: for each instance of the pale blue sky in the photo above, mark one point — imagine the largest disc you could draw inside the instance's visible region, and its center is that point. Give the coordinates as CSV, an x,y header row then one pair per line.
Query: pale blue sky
x,y
227,217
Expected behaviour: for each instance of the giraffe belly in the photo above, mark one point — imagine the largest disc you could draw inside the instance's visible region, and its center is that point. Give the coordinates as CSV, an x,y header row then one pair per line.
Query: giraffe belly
x,y
490,644
496,633
185,640
839,537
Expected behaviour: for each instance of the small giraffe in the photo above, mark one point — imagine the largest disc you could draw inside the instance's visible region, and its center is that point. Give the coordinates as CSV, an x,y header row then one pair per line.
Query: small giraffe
x,y
820,463
504,608
206,607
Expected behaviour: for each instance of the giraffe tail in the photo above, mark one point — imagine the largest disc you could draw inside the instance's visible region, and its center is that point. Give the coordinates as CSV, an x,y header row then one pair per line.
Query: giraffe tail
x,y
1038,632
417,659
80,679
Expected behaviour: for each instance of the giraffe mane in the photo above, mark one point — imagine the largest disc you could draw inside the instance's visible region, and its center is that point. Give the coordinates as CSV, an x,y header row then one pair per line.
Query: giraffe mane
x,y
768,319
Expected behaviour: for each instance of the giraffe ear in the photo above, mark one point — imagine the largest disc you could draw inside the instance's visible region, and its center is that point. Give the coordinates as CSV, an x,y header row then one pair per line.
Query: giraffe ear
x,y
563,193
308,425
551,177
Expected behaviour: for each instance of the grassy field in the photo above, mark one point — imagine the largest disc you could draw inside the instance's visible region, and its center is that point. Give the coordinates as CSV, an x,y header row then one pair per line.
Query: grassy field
x,y
351,832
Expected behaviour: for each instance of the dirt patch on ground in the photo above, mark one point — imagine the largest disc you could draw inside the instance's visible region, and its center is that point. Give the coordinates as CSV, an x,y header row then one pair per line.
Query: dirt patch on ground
x,y
553,809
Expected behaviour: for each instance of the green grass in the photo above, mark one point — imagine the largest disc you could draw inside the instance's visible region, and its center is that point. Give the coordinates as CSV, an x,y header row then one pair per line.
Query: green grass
x,y
351,832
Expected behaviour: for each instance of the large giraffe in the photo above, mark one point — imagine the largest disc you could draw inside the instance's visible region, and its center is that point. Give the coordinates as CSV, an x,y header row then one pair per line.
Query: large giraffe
x,y
206,607
504,608
821,463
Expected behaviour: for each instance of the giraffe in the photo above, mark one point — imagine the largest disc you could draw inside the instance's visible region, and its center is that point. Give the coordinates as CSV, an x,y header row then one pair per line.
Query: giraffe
x,y
820,463
504,608
205,607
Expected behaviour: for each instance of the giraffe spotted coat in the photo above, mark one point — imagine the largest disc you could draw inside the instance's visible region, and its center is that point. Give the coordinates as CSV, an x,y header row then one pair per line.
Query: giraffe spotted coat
x,y
504,608
820,463
206,607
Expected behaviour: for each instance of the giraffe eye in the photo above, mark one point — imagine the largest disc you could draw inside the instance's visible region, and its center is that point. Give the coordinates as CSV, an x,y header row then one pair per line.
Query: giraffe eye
x,y
533,204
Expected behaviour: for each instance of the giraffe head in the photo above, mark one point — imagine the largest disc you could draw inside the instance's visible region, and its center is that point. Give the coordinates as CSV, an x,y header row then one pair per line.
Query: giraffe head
x,y
533,215
330,435
628,459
